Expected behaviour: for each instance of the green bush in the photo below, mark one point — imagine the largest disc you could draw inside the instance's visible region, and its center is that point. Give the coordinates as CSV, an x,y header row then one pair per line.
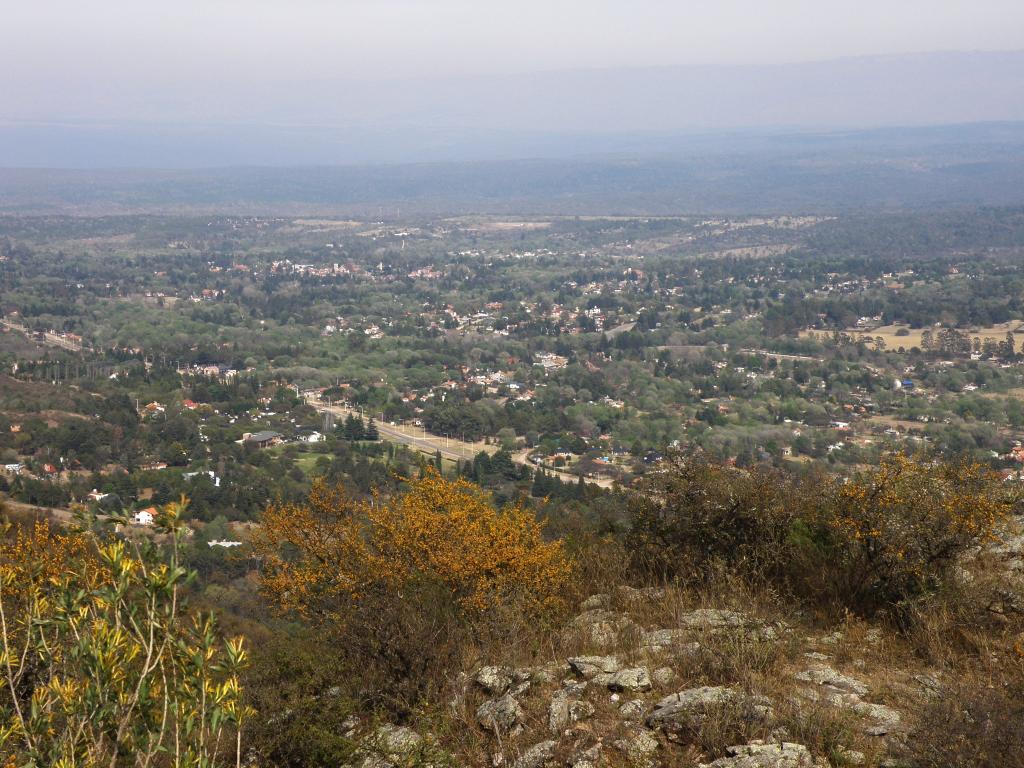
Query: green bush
x,y
873,542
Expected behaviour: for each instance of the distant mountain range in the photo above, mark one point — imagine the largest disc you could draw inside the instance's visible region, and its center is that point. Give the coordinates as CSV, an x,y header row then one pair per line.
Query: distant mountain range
x,y
677,111
739,172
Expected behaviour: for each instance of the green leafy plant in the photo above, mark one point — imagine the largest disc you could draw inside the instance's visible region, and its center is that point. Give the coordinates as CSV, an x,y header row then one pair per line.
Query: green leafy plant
x,y
101,663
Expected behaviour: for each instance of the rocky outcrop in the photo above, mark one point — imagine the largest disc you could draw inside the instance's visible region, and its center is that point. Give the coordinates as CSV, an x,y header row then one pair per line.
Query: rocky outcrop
x,y
500,715
760,755
536,756
686,711
602,628
831,687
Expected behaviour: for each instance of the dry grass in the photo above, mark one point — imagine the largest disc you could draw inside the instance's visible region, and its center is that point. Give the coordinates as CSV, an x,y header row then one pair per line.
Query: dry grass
x,y
889,333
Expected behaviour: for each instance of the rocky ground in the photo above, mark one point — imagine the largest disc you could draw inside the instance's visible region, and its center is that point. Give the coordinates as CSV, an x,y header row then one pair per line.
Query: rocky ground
x,y
648,680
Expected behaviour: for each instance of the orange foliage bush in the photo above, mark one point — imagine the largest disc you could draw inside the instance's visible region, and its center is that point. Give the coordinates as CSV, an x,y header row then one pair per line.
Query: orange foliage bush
x,y
322,556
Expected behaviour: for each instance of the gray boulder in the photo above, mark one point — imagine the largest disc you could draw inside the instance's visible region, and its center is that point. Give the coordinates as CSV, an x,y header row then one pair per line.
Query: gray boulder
x,y
536,756
687,710
632,679
499,715
589,667
758,755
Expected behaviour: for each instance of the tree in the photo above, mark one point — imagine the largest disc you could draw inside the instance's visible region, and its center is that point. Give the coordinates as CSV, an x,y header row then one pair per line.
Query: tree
x,y
101,664
371,431
354,429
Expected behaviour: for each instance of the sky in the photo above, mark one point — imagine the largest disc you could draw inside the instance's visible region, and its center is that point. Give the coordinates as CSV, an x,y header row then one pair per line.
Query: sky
x,y
151,59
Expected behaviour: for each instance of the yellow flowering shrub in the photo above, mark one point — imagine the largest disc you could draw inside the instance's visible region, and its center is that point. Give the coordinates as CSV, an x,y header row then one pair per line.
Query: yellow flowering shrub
x,y
400,588
100,665
902,526
323,555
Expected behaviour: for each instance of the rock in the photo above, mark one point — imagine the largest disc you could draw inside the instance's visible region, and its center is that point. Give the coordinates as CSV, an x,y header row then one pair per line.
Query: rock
x,y
716,620
646,594
349,726
391,745
396,740
549,672
536,756
589,758
663,675
632,679
580,710
687,710
850,756
758,755
600,600
664,639
883,719
499,715
929,684
588,667
638,747
633,710
713,618
564,710
499,680
558,713
574,687
494,680
845,692
830,678
601,627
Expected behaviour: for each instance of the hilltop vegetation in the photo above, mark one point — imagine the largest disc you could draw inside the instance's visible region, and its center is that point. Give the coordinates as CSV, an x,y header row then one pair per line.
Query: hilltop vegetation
x,y
872,622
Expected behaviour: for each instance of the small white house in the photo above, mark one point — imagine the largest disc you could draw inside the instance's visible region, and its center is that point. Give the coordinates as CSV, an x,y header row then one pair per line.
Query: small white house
x,y
144,517
209,473
313,437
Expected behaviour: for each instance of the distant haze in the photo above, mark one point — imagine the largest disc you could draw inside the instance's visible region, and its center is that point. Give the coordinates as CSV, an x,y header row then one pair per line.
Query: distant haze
x,y
278,82
553,114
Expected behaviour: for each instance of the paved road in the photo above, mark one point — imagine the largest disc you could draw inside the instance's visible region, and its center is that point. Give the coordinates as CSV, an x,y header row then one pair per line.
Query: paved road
x,y
450,448
49,338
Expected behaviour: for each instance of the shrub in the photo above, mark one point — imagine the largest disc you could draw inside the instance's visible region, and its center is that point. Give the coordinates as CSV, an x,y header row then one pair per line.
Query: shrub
x,y
404,583
902,527
695,514
100,661
875,542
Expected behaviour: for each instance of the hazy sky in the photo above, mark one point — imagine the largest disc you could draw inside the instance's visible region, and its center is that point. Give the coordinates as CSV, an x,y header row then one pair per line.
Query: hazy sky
x,y
100,57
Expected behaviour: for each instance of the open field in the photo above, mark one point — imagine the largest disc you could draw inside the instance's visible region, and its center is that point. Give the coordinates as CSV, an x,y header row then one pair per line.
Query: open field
x,y
896,336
